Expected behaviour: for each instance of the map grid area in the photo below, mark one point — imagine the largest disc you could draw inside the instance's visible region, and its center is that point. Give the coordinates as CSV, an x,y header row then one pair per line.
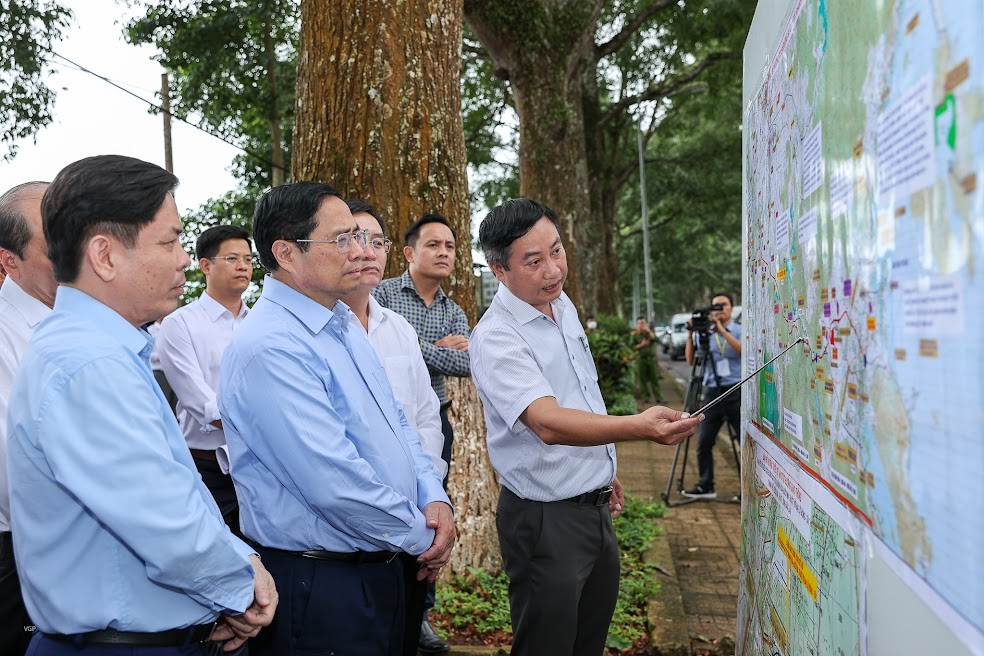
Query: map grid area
x,y
864,235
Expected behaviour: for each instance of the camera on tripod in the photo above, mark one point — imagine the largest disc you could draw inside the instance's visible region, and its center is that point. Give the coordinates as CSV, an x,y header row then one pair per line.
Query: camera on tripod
x,y
700,318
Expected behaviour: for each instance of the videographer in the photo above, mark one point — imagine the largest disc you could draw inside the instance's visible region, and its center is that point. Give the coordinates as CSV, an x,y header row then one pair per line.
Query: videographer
x,y
723,370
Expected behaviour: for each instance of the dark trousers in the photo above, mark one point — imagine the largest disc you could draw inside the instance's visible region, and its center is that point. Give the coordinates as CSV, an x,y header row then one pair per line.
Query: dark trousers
x,y
333,607
648,373
562,563
728,410
416,594
223,491
16,628
42,646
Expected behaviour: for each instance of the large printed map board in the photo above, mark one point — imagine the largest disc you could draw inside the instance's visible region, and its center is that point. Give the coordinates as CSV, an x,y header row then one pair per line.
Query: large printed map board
x,y
802,569
864,234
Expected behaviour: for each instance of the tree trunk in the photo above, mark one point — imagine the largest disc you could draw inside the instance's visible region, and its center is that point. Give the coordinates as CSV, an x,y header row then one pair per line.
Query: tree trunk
x,y
278,170
378,116
541,47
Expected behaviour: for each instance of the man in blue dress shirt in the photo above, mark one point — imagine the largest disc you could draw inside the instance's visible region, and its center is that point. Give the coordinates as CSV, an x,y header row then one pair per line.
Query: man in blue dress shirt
x,y
120,547
331,479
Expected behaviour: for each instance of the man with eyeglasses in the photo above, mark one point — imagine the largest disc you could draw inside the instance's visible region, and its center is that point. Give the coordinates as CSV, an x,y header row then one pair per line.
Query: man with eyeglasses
x,y
190,344
333,481
396,343
442,329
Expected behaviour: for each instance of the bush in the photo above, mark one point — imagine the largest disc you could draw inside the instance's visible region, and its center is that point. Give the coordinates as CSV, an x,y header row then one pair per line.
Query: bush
x,y
613,356
475,607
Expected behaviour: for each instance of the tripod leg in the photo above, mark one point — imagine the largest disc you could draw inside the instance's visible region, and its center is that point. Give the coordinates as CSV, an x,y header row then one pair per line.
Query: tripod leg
x,y
669,480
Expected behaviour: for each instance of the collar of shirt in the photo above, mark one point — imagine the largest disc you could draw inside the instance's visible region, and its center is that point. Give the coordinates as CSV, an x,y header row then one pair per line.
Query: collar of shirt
x,y
523,312
76,302
215,310
29,307
406,282
376,315
313,315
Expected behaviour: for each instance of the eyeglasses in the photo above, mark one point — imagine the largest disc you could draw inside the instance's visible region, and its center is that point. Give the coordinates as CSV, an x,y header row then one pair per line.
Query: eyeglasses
x,y
232,260
342,242
381,245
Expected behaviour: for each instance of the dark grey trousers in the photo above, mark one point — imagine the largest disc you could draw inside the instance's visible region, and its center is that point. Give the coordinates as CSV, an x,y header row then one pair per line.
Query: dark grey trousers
x,y
562,563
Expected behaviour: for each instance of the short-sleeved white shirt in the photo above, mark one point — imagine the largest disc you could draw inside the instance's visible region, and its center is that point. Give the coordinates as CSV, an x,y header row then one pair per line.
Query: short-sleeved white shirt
x,y
519,355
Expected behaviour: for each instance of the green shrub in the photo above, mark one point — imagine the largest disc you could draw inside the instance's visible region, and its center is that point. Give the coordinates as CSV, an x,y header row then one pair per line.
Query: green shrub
x,y
614,357
477,603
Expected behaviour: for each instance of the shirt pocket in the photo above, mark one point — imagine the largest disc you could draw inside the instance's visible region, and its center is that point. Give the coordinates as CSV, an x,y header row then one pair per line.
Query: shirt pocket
x,y
400,374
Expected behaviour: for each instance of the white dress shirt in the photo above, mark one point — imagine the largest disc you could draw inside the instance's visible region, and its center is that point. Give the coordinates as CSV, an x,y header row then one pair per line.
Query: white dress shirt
x,y
396,344
20,314
190,344
519,355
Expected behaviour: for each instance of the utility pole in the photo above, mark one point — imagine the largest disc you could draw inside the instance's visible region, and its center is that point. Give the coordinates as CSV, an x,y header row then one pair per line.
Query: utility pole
x,y
166,111
645,228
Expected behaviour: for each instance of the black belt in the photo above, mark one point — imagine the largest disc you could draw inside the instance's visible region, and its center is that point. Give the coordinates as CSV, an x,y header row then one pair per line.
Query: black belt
x,y
597,497
361,557
109,637
445,406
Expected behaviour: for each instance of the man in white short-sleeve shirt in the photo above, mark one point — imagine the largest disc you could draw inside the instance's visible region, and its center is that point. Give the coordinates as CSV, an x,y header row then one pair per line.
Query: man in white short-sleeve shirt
x,y
550,440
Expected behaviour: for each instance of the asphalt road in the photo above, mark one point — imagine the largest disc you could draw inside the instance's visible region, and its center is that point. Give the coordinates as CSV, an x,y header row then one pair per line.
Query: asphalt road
x,y
678,368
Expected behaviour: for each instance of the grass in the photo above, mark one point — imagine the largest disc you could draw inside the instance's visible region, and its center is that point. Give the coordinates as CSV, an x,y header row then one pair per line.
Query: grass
x,y
474,608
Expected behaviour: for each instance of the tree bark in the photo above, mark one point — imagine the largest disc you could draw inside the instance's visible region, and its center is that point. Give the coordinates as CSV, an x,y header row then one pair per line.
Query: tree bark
x,y
378,116
542,47
278,170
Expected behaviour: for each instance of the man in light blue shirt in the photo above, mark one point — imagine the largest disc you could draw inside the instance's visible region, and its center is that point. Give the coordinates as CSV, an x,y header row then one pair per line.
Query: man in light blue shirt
x,y
331,479
550,440
119,544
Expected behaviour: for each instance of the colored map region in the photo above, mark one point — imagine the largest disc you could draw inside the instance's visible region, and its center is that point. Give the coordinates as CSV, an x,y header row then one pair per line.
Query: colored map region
x,y
864,234
802,576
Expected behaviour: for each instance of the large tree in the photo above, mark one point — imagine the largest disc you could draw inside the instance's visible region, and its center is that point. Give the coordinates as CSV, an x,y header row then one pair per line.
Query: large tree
x,y
581,75
378,116
28,30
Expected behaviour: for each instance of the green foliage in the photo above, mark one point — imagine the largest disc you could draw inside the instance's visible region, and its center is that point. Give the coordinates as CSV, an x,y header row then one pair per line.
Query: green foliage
x,y
233,62
613,358
28,30
478,602
636,532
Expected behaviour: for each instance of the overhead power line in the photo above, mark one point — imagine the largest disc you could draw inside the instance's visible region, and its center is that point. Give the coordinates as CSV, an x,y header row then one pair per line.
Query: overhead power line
x,y
247,151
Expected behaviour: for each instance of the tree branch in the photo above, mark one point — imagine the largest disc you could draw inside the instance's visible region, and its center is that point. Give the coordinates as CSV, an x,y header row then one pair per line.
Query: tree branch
x,y
632,25
667,88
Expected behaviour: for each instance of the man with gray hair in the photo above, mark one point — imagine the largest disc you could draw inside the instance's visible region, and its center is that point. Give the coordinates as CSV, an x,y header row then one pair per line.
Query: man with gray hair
x,y
26,297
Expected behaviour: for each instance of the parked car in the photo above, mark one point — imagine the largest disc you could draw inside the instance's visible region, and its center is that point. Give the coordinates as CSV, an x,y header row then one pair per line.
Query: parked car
x,y
678,335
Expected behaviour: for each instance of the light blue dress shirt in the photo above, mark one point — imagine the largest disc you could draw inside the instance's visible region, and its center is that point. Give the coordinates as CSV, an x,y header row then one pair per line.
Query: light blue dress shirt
x,y
519,355
321,453
113,527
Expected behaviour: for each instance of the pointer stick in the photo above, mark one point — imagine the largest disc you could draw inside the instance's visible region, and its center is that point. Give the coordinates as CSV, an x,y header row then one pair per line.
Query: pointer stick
x,y
747,378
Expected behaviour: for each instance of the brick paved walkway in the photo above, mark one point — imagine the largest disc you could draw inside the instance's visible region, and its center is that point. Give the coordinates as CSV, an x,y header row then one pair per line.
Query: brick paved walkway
x,y
703,536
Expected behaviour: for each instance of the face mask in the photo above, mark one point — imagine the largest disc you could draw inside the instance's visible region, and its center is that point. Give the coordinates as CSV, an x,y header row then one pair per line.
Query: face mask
x,y
592,325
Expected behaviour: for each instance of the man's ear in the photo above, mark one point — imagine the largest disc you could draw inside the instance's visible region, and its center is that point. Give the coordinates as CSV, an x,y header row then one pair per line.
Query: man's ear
x,y
205,264
408,253
101,255
498,270
285,254
10,263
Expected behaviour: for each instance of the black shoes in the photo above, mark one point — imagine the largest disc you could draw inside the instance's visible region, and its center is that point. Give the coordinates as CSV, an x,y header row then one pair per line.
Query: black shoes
x,y
430,642
699,492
